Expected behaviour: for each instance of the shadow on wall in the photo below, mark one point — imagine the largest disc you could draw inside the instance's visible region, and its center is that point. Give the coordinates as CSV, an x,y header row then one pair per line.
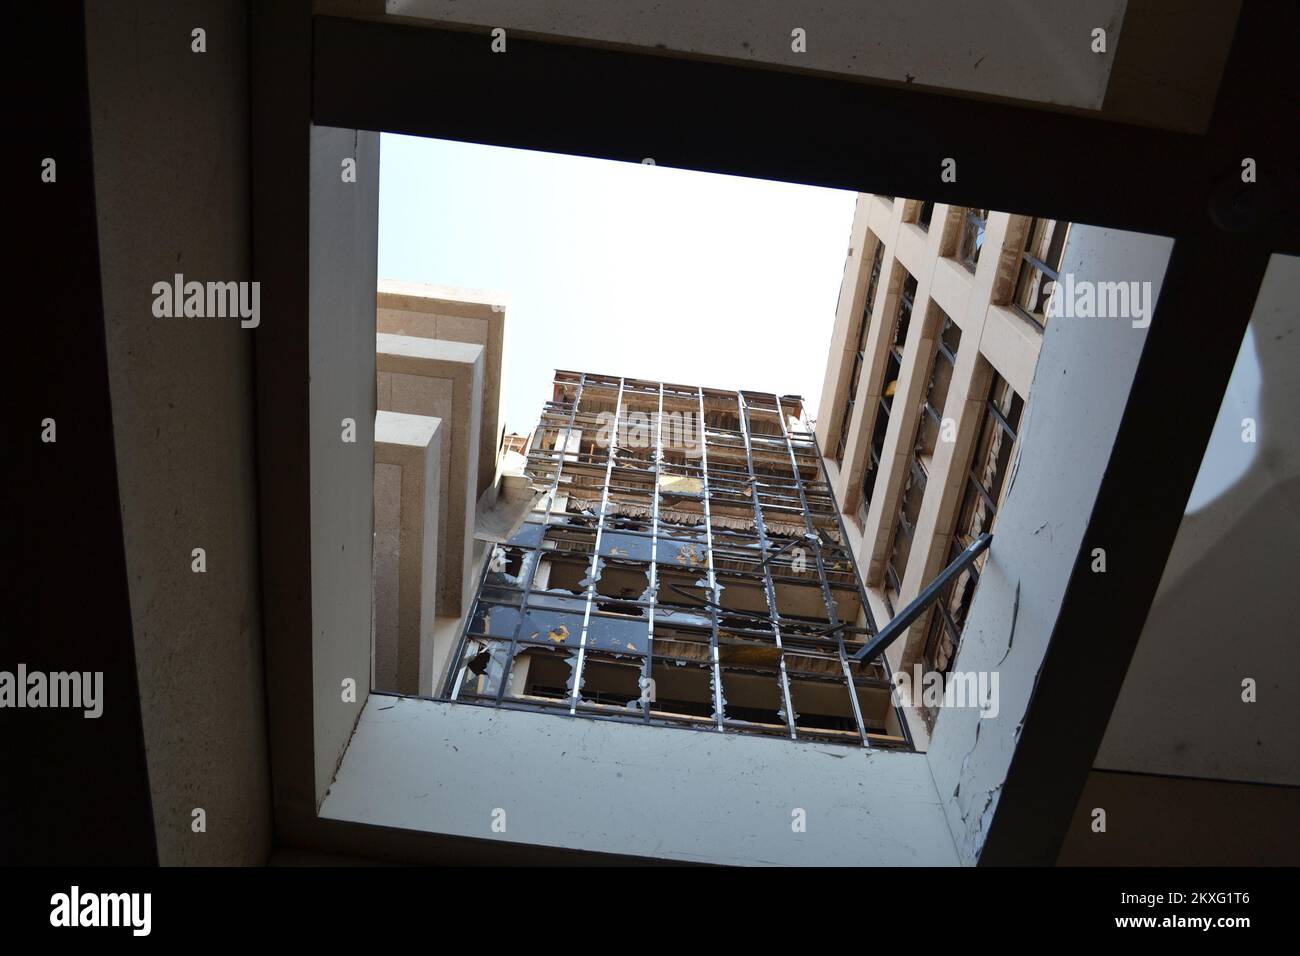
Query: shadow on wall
x,y
1227,607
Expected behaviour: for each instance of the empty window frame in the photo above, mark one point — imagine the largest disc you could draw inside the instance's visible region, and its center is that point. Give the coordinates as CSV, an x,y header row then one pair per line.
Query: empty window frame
x,y
972,237
893,372
1040,262
909,509
945,362
924,215
859,357
928,431
985,479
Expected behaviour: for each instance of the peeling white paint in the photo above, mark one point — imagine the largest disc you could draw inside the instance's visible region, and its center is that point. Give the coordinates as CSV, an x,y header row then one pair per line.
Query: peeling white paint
x,y
1080,387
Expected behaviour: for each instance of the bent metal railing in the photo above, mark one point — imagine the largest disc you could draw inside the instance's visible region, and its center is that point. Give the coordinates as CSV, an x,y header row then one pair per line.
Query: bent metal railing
x,y
904,619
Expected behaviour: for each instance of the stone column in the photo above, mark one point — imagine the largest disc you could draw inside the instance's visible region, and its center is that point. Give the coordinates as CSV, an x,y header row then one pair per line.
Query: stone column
x,y
408,470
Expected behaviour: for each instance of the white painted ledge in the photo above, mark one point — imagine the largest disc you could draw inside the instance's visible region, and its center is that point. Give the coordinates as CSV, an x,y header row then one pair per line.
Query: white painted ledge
x,y
627,789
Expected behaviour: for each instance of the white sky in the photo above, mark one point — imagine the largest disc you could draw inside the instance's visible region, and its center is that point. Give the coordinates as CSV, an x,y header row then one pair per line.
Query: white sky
x,y
620,268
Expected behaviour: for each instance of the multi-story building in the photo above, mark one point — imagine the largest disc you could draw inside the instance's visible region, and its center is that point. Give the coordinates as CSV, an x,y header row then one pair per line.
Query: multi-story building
x,y
685,565
937,334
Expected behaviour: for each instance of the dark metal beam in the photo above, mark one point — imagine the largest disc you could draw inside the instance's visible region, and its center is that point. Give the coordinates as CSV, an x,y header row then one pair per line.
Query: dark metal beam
x,y
768,124
901,621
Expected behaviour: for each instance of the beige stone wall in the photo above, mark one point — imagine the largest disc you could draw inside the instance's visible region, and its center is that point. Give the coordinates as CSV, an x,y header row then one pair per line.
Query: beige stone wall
x,y
994,338
455,314
444,380
408,474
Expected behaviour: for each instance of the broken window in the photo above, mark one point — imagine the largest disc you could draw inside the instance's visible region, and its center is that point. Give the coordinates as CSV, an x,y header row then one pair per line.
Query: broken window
x,y
985,480
924,215
909,510
945,362
1040,262
859,358
893,372
972,237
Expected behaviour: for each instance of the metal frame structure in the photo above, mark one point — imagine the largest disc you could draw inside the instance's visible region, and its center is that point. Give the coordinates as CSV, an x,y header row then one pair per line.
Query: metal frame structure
x,y
728,595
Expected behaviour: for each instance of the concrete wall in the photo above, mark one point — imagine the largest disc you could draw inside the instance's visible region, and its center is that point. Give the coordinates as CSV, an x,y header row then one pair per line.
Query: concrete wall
x,y
1080,388
387,613
444,380
1177,821
1022,51
344,223
1226,609
170,134
432,767
456,314
408,484
1161,68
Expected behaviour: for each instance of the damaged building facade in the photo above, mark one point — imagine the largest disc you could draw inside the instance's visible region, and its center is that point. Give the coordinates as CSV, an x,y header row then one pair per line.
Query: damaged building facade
x,y
938,329
685,565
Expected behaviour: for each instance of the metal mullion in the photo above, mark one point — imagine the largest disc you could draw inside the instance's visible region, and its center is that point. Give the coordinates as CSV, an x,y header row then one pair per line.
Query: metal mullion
x,y
509,666
1041,266
868,617
919,472
648,670
988,499
945,621
464,632
743,408
714,597
1006,425
595,556
949,622
827,598
893,576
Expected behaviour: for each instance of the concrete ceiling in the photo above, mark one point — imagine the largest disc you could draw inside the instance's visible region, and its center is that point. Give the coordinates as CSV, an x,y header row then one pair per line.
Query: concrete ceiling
x,y
1160,67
